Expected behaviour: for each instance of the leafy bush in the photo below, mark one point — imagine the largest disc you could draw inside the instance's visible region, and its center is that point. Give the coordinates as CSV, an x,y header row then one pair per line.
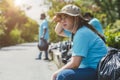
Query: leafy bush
x,y
29,31
15,36
15,26
112,33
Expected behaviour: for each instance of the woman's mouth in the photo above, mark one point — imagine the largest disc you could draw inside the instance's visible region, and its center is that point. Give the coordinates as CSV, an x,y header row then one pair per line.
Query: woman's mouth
x,y
64,25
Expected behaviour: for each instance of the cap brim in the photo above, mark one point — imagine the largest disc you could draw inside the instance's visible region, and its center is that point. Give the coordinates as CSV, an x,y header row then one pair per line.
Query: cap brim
x,y
79,15
60,13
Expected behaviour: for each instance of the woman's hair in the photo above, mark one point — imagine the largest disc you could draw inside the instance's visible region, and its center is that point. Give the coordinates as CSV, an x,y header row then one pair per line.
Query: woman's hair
x,y
80,21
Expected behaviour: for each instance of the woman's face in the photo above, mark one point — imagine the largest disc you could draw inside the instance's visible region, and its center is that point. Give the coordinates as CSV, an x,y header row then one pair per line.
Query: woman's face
x,y
67,22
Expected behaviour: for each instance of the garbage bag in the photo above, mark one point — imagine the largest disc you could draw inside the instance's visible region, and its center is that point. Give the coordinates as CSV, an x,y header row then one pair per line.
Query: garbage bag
x,y
109,66
43,44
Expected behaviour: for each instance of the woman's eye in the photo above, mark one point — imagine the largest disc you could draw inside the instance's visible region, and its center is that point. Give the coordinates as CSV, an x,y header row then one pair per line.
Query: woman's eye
x,y
66,16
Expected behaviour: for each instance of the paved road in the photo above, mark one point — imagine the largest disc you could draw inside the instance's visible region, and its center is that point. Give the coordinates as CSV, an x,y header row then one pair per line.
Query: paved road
x,y
19,63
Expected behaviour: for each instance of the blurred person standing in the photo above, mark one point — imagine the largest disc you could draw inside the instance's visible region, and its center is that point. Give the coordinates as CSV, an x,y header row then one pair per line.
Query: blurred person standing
x,y
44,33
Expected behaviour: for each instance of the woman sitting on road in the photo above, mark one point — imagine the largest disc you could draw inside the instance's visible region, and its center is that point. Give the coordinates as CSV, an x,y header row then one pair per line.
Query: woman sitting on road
x,y
87,49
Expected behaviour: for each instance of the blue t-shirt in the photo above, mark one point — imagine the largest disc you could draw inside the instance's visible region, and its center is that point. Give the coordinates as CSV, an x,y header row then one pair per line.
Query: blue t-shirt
x,y
67,33
97,25
88,45
44,25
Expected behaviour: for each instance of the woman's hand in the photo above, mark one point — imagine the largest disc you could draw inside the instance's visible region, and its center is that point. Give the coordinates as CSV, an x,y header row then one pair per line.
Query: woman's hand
x,y
56,18
54,76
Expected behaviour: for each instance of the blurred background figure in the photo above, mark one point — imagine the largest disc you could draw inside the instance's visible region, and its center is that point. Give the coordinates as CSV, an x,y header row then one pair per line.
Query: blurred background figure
x,y
94,22
44,33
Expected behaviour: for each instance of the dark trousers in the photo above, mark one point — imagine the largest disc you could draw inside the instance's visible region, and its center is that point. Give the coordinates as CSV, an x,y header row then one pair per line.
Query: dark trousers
x,y
46,54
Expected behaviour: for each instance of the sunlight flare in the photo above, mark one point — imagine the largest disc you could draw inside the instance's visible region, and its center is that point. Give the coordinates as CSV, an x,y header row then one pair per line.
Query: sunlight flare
x,y
18,2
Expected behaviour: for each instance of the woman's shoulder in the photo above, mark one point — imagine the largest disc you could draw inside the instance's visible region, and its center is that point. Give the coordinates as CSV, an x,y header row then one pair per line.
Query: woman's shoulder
x,y
85,32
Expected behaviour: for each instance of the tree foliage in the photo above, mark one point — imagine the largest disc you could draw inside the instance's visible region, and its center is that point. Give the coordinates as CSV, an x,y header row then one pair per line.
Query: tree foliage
x,y
112,33
110,7
15,26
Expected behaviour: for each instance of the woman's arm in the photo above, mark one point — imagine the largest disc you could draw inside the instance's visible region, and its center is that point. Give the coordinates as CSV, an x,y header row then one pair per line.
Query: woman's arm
x,y
73,64
59,30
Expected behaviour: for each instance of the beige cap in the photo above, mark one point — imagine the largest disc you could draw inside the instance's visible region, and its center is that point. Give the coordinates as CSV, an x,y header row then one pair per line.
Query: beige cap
x,y
71,10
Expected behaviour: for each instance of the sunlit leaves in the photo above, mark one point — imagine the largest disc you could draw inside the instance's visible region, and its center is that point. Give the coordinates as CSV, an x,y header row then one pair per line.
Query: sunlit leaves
x,y
112,33
13,28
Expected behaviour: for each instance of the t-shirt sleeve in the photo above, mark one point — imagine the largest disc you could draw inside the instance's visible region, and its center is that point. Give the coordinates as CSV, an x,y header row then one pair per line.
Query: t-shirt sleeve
x,y
45,24
80,45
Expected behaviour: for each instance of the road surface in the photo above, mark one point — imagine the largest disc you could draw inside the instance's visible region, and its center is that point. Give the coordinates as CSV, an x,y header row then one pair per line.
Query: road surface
x,y
19,63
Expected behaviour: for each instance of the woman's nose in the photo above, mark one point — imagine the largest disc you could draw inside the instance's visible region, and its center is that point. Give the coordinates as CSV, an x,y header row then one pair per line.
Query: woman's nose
x,y
63,20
